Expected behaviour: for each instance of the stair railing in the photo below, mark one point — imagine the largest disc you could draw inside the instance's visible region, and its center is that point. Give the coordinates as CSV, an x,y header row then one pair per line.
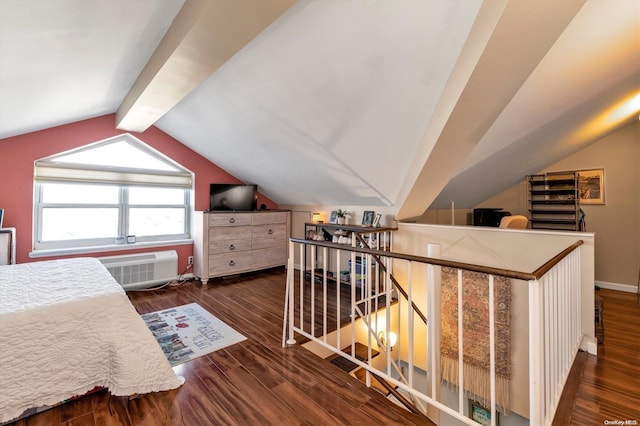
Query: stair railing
x,y
374,304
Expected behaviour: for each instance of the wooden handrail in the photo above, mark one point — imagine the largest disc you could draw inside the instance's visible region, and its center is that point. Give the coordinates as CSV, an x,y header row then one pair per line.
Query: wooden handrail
x,y
526,276
538,273
380,255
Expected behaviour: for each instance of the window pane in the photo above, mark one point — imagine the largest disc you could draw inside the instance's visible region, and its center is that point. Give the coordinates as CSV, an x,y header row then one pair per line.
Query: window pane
x,y
63,193
155,196
120,154
156,221
79,223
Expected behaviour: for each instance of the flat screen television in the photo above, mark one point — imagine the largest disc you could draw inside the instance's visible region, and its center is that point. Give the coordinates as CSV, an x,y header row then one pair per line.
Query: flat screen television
x,y
234,197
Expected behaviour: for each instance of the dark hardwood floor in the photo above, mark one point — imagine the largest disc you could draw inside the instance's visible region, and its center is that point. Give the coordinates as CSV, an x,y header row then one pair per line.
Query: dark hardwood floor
x,y
257,382
605,388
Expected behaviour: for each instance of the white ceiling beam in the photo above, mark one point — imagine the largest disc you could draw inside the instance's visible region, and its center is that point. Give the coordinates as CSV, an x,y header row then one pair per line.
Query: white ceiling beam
x,y
519,39
202,37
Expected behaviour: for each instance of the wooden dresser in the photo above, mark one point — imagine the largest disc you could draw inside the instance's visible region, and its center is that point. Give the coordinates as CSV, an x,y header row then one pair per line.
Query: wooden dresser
x,y
228,243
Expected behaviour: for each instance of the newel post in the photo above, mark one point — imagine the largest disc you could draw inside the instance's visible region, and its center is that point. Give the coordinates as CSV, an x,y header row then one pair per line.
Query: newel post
x,y
536,353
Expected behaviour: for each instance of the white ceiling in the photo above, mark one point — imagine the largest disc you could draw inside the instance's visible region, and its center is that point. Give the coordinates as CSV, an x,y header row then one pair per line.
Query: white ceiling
x,y
593,65
331,103
66,60
328,105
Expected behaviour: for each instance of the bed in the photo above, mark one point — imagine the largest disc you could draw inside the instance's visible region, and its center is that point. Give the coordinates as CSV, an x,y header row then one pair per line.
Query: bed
x,y
66,327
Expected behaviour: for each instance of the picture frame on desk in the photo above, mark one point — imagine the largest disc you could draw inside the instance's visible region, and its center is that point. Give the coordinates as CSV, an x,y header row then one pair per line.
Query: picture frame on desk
x,y
376,220
334,217
367,218
1,216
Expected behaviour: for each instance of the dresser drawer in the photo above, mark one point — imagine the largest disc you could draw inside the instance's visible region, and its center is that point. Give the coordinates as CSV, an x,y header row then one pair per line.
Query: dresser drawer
x,y
229,246
263,236
269,217
264,258
229,243
230,233
231,263
229,219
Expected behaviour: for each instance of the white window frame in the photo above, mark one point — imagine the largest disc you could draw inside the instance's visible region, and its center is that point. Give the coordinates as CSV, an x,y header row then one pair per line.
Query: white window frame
x,y
49,170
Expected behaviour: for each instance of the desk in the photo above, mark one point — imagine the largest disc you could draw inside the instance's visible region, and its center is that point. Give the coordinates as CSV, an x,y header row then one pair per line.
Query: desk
x,y
7,246
380,236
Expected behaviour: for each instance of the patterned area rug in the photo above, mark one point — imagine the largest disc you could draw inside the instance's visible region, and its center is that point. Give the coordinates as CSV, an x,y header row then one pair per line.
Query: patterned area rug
x,y
475,334
189,331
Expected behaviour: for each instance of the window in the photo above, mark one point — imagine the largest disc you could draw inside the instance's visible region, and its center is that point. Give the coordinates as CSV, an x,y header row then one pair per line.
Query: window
x,y
114,188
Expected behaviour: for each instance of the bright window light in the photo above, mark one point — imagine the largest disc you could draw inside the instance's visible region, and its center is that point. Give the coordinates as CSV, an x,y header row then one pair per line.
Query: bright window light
x,y
97,193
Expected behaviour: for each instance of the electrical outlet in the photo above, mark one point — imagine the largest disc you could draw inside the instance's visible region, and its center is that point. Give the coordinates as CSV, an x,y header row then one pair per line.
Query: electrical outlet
x,y
190,260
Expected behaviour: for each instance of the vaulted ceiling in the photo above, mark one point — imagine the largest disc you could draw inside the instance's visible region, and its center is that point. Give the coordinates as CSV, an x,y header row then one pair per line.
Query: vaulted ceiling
x,y
404,103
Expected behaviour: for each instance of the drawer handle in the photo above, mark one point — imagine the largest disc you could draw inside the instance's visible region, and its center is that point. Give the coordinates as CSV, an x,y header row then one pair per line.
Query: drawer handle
x,y
232,220
270,231
232,247
232,263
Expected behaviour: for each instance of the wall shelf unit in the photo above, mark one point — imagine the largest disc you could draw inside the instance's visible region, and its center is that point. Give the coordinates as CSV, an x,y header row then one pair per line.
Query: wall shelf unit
x,y
379,238
554,201
376,237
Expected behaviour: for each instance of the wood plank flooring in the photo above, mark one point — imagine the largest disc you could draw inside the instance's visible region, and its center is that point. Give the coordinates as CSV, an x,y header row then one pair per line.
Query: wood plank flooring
x,y
257,382
605,388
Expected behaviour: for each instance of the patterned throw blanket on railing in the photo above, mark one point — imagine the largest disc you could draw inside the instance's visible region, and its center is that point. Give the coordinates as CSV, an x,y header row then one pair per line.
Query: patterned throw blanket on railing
x,y
475,304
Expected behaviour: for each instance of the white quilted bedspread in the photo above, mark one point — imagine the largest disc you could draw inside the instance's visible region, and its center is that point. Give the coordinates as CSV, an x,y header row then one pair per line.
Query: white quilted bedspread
x,y
66,326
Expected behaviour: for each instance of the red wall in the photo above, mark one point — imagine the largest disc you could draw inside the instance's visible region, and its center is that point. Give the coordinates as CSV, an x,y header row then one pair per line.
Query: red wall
x,y
18,154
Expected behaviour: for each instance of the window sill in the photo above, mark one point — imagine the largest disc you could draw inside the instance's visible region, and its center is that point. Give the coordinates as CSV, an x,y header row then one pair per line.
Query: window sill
x,y
112,247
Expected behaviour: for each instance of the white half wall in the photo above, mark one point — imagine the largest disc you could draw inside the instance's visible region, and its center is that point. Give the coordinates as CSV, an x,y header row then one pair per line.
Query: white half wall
x,y
519,250
515,249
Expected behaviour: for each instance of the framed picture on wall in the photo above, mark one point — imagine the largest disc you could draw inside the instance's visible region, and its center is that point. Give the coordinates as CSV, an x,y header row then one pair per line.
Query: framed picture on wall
x,y
591,186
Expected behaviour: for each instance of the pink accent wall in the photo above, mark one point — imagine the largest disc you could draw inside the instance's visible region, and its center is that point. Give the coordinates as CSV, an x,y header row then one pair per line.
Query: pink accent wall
x,y
18,154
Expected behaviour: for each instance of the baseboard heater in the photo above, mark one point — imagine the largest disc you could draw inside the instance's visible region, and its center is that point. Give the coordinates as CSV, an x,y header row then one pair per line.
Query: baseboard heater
x,y
142,270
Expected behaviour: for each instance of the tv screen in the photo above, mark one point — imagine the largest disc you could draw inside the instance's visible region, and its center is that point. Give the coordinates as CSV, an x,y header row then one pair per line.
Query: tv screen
x,y
238,197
